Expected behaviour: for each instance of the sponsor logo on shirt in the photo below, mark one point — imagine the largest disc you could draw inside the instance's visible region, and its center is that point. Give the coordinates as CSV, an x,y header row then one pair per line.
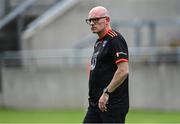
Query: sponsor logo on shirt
x,y
94,60
121,53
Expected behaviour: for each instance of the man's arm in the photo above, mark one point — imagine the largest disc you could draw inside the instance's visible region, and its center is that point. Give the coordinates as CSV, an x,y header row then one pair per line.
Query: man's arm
x,y
118,78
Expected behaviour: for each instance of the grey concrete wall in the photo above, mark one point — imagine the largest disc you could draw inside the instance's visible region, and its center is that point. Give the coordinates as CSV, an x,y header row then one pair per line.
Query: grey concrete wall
x,y
155,8
155,86
60,87
151,86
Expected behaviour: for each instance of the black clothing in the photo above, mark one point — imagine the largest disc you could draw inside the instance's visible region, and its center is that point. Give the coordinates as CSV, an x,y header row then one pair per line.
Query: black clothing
x,y
95,115
108,52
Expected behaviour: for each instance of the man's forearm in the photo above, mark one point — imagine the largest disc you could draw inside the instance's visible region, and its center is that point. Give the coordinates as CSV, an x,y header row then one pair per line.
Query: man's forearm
x,y
119,77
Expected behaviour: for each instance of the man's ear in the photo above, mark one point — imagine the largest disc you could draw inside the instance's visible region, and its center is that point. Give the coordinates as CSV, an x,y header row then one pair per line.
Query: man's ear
x,y
107,19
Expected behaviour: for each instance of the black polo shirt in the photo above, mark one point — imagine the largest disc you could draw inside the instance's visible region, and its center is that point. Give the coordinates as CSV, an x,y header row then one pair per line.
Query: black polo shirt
x,y
108,52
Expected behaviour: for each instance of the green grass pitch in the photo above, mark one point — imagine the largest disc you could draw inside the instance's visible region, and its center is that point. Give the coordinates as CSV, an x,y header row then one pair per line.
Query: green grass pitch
x,y
76,116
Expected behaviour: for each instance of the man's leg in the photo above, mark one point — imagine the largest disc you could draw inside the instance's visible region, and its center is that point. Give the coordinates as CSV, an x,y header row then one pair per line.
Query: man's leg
x,y
92,116
113,116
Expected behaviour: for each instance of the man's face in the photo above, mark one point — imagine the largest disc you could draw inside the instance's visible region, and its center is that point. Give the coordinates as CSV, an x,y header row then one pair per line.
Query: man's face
x,y
97,23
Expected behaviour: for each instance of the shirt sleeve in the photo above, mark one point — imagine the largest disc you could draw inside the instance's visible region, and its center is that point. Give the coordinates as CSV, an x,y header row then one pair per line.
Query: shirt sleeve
x,y
119,49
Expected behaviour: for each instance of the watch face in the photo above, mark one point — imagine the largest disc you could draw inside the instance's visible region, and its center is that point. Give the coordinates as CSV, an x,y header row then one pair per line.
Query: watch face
x,y
106,91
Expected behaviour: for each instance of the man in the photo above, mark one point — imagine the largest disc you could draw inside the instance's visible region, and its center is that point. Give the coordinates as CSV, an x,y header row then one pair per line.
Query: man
x,y
108,81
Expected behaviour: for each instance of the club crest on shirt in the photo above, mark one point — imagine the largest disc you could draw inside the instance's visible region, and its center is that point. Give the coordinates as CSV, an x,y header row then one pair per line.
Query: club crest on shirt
x,y
104,43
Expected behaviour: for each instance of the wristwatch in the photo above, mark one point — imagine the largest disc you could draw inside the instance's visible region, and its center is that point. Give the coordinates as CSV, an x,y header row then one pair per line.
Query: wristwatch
x,y
106,91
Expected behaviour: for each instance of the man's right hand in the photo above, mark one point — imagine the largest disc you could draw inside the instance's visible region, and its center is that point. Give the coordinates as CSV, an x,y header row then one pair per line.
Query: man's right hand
x,y
103,101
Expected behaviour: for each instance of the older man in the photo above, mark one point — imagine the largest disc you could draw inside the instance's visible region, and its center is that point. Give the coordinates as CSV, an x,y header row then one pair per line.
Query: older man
x,y
108,81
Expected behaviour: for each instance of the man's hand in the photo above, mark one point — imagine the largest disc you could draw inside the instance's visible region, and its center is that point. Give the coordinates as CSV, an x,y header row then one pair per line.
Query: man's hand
x,y
103,100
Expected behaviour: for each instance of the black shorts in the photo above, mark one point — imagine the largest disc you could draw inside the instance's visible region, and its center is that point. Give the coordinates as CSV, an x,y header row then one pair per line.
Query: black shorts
x,y
95,115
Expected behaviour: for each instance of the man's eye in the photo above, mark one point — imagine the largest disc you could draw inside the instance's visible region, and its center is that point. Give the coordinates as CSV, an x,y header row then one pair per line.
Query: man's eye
x,y
93,20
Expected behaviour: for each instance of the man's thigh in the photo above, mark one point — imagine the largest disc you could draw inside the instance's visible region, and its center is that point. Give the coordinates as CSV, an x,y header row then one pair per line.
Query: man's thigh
x,y
92,116
113,116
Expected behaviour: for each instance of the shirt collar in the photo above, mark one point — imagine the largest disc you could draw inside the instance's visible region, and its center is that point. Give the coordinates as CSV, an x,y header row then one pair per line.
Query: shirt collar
x,y
100,38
